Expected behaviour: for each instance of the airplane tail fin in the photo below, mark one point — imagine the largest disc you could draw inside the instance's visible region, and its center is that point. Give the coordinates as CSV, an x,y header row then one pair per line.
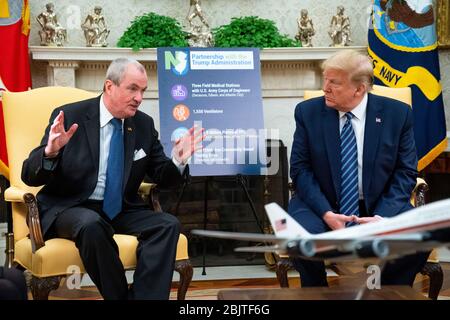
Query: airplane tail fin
x,y
283,224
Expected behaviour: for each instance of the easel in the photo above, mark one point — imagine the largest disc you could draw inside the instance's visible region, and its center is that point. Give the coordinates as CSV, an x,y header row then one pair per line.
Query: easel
x,y
240,180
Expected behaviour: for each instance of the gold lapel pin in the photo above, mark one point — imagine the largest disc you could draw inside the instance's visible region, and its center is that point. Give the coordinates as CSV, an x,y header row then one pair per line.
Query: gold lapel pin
x,y
129,129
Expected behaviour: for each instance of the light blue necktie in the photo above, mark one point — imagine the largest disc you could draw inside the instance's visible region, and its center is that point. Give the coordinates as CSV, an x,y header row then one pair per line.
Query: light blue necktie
x,y
112,201
349,169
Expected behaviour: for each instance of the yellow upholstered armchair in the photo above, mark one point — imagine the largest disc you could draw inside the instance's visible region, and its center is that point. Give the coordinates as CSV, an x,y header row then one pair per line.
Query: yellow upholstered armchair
x,y
432,268
26,116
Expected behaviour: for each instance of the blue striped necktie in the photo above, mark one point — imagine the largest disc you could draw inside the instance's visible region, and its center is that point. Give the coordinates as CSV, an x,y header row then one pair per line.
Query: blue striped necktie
x,y
112,200
349,169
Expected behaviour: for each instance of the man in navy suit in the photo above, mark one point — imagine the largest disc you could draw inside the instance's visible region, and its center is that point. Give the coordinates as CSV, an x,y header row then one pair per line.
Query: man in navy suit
x,y
84,200
384,161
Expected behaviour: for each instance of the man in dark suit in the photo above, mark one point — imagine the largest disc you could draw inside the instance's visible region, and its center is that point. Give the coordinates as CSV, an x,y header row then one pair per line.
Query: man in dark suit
x,y
353,161
91,161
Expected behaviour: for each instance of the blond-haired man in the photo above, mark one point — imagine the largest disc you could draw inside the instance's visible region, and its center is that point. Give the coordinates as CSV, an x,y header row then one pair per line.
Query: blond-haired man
x,y
353,161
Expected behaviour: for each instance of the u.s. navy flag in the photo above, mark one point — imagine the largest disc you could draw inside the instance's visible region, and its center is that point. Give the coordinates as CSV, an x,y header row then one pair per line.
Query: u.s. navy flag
x,y
403,46
14,64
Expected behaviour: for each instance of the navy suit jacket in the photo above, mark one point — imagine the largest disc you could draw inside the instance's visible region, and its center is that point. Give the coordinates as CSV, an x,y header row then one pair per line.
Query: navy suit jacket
x,y
74,175
389,157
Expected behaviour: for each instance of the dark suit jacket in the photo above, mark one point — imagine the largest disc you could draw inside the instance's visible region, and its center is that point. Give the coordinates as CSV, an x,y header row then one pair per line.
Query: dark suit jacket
x,y
389,156
73,177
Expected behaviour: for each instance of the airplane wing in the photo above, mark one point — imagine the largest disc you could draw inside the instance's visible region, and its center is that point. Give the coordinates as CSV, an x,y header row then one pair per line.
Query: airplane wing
x,y
343,249
256,237
261,249
376,246
349,243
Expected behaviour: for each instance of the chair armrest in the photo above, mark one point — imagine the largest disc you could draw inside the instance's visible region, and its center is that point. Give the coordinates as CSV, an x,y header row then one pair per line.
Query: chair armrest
x,y
149,192
34,223
418,194
14,194
291,188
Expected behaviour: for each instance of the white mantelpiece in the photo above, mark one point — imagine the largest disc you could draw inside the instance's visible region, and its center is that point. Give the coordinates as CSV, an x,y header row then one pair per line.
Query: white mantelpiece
x,y
286,72
149,55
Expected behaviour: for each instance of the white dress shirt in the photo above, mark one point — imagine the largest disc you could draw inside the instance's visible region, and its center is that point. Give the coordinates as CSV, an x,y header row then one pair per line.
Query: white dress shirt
x,y
358,124
106,131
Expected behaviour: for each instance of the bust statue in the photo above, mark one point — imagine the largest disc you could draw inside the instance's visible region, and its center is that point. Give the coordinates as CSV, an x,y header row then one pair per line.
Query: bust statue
x,y
95,29
305,29
51,33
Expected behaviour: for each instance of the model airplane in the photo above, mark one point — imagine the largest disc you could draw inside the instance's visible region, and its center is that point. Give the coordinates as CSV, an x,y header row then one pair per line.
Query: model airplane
x,y
420,229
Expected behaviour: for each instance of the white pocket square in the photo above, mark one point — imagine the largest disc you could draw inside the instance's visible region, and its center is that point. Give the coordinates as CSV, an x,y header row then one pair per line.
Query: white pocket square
x,y
139,154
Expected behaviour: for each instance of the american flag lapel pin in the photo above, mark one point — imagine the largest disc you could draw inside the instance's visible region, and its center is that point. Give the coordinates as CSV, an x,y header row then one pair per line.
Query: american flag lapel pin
x,y
378,120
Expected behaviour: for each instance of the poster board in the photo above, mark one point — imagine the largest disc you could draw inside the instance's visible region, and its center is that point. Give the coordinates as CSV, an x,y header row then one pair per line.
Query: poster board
x,y
220,90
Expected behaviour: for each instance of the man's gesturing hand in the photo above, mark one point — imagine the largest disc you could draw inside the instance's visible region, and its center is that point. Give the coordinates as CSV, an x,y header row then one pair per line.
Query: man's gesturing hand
x,y
368,219
185,146
58,136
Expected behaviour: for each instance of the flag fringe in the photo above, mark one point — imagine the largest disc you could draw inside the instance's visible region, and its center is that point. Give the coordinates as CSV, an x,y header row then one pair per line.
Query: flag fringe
x,y
432,154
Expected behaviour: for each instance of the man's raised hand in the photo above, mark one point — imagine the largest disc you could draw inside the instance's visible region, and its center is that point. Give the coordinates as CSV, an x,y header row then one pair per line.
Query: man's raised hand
x,y
185,146
58,137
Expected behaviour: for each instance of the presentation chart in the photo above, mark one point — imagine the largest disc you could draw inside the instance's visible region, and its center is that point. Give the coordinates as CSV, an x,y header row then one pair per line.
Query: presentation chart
x,y
219,90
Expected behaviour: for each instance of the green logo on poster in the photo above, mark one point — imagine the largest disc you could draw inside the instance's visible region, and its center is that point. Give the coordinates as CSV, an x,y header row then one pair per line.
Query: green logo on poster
x,y
178,63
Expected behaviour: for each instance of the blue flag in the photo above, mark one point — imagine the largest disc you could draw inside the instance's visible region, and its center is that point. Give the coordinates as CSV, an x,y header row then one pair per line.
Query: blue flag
x,y
403,46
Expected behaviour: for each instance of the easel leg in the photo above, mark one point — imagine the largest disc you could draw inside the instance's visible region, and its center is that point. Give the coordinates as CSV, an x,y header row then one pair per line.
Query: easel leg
x,y
241,181
205,213
180,197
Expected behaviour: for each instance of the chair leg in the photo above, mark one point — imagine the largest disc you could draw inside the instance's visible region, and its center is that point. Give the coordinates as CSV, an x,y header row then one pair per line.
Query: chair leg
x,y
434,271
184,268
28,276
41,287
283,265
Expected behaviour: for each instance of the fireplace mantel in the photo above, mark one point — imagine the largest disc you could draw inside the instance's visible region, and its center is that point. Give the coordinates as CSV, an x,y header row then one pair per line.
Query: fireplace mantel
x,y
149,55
286,72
